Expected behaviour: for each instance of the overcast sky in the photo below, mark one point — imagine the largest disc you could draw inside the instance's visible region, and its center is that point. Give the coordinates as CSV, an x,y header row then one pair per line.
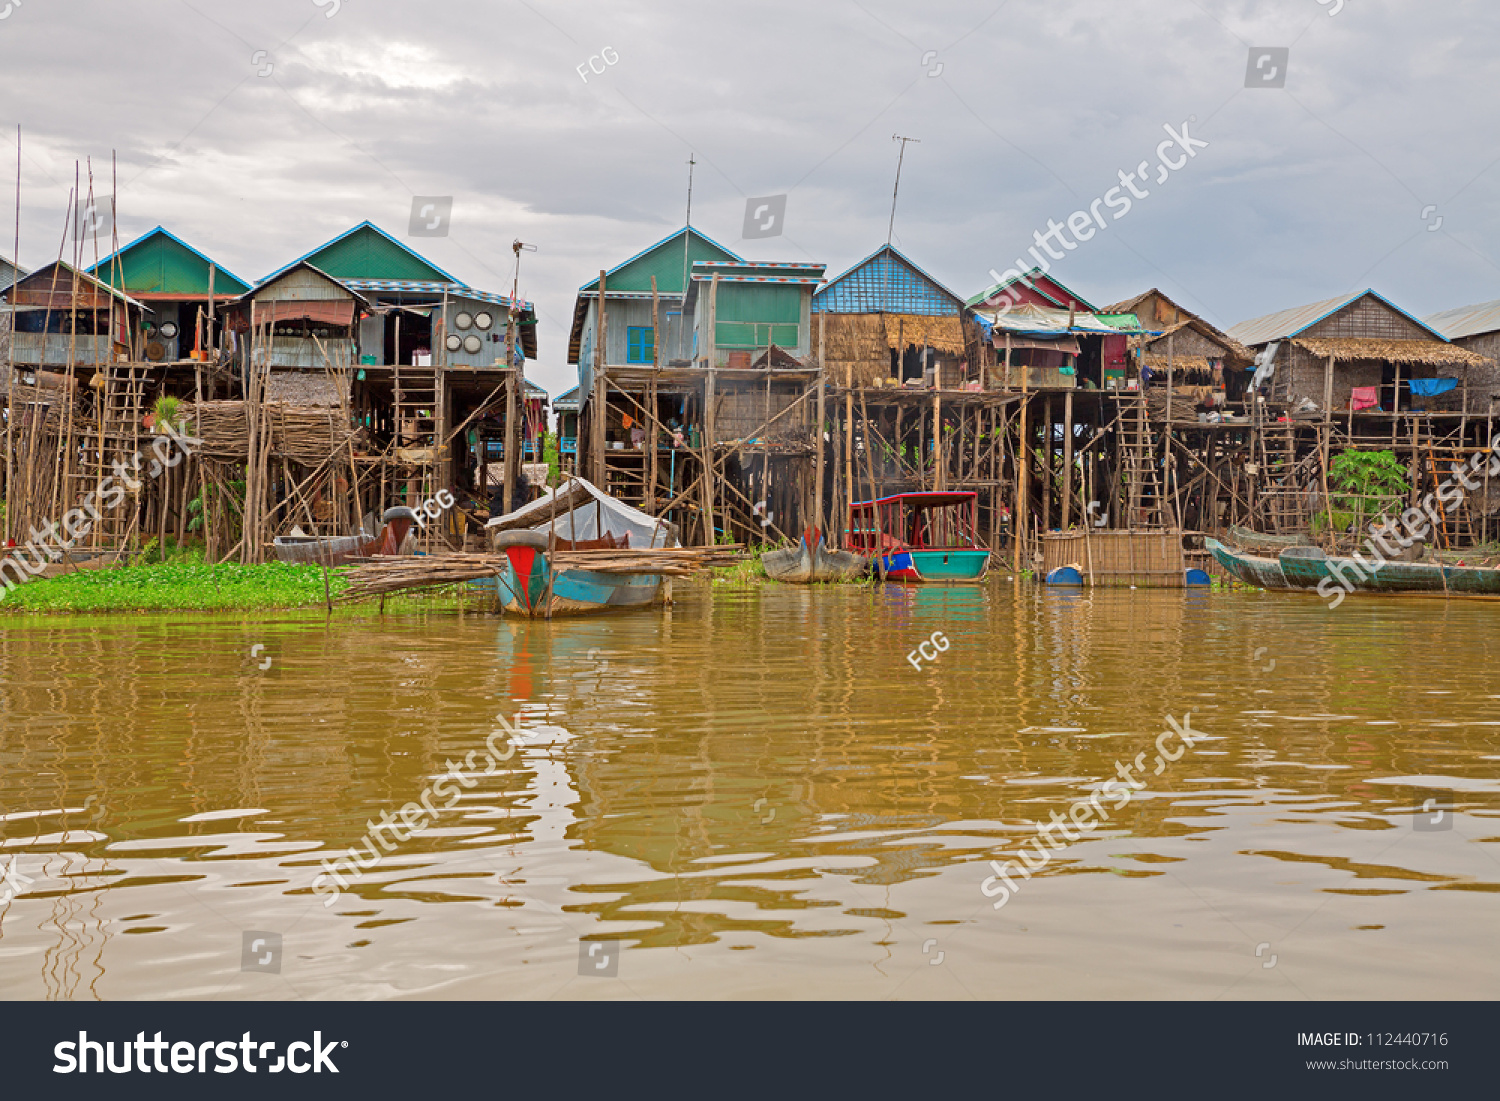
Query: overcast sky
x,y
1025,111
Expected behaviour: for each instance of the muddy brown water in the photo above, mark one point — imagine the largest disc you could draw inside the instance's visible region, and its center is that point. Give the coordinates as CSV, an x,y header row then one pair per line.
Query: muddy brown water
x,y
755,794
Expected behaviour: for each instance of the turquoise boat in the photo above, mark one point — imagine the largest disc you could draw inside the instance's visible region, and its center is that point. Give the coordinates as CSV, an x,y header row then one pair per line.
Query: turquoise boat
x,y
1308,569
529,586
920,537
574,517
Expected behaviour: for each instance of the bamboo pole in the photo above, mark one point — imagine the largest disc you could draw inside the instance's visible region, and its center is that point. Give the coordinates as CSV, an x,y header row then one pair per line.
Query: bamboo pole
x,y
710,398
512,437
1019,524
849,449
864,417
1067,491
596,414
1327,438
938,458
653,434
820,522
1047,471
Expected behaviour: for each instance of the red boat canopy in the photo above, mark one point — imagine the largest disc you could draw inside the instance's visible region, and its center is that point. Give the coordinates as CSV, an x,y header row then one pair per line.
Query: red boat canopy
x,y
922,500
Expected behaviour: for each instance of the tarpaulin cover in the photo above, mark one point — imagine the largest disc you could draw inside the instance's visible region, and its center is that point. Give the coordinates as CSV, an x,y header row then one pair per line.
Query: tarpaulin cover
x,y
1065,344
594,515
1428,387
1037,321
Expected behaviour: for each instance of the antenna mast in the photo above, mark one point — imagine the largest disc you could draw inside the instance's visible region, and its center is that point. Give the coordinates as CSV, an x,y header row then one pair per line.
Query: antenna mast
x,y
687,233
890,230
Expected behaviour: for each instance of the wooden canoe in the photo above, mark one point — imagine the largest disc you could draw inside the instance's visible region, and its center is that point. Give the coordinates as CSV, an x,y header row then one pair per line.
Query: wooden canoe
x,y
807,563
1308,569
335,550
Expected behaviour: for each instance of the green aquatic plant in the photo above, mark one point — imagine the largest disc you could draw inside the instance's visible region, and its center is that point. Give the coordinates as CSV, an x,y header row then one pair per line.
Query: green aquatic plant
x,y
182,583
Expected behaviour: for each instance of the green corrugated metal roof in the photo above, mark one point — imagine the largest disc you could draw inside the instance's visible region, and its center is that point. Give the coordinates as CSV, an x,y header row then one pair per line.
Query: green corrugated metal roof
x,y
663,260
160,263
366,253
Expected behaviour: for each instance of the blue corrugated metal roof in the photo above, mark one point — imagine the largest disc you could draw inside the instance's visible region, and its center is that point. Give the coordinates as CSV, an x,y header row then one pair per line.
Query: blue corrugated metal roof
x,y
768,264
755,271
422,286
886,281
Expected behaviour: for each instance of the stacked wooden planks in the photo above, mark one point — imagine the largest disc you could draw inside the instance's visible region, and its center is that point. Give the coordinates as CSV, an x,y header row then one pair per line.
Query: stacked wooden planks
x,y
385,575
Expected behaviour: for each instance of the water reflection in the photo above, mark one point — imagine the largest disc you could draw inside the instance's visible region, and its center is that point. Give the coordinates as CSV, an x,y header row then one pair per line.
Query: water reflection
x,y
760,782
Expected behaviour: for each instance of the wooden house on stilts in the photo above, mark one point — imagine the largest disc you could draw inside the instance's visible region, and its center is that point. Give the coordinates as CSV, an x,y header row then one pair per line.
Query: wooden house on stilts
x,y
696,375
1359,373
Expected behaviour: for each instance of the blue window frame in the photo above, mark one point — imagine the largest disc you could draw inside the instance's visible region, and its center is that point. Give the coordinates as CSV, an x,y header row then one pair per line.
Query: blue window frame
x,y
640,344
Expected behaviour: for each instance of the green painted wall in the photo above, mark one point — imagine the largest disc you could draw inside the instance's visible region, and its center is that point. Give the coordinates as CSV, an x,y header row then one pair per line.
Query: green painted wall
x,y
751,314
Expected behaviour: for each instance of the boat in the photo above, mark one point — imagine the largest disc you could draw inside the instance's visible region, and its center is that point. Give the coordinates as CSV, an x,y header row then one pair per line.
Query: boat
x,y
534,586
918,537
1309,569
1252,569
811,561
335,550
1260,542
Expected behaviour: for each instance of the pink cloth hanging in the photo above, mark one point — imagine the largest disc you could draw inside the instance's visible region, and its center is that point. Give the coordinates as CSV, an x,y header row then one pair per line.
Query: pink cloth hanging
x,y
1364,397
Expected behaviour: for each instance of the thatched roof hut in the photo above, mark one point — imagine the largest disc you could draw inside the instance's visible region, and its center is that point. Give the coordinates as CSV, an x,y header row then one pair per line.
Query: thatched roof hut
x,y
1359,342
877,317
